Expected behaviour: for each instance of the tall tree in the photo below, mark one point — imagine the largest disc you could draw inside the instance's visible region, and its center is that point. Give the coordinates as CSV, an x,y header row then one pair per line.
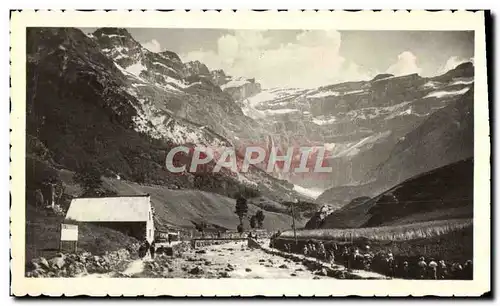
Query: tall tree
x,y
259,216
89,178
200,227
241,208
253,221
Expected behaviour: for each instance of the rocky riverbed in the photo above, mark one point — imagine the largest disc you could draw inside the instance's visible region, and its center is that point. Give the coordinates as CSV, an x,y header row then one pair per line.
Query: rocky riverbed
x,y
228,260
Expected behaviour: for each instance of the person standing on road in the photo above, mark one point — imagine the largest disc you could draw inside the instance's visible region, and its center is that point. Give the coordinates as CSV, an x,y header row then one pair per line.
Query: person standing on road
x,y
152,249
442,271
405,270
422,268
322,251
305,252
468,270
432,269
143,249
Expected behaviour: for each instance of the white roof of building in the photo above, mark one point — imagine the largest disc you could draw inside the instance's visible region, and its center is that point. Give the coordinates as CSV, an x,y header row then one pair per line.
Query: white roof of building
x,y
110,209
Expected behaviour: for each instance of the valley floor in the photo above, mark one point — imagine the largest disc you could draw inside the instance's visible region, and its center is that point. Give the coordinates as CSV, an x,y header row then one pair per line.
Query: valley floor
x,y
229,260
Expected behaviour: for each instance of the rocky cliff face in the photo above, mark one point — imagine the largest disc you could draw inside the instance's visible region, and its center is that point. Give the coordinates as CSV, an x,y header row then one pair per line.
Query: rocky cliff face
x,y
240,88
358,122
219,76
195,68
106,100
445,137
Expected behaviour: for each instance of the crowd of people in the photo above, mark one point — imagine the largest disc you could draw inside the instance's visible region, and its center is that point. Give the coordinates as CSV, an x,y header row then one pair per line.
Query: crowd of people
x,y
353,257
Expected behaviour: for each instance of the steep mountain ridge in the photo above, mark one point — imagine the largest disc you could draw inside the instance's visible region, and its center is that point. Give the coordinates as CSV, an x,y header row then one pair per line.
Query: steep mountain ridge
x,y
85,108
358,122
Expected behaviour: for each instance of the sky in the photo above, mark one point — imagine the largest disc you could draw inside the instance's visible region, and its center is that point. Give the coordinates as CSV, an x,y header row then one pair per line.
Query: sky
x,y
301,58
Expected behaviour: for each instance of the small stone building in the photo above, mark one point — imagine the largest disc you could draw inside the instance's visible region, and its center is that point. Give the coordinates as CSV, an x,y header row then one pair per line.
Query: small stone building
x,y
132,215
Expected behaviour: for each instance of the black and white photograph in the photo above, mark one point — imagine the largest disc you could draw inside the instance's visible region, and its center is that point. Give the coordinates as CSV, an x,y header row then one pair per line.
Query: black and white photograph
x,y
224,153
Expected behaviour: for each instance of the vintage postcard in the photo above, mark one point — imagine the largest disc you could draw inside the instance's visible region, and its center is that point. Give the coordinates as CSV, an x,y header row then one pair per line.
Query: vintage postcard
x,y
293,153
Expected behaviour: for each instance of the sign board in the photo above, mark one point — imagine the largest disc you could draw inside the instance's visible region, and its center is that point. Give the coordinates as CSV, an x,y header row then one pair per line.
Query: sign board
x,y
69,232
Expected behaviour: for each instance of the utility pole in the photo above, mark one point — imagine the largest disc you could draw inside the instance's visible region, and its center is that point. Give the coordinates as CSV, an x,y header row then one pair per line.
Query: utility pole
x,y
293,222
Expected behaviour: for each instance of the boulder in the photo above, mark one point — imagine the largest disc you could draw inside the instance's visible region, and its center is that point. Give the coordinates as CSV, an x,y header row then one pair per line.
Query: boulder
x,y
44,264
321,272
283,266
196,270
224,274
57,262
248,270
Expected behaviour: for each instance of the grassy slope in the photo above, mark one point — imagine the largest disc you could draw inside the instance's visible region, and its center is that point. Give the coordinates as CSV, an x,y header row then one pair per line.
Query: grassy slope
x,y
180,207
401,232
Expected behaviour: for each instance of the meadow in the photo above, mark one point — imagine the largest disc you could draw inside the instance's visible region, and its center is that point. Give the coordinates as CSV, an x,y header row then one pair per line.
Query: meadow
x,y
402,232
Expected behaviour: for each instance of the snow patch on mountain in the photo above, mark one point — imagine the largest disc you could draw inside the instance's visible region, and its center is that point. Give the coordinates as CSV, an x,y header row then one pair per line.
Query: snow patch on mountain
x,y
353,148
323,94
431,84
308,192
368,113
234,83
442,94
164,66
464,81
281,111
324,120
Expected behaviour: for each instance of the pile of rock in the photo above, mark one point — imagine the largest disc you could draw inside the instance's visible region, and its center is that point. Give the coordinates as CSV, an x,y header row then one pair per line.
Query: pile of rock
x,y
75,265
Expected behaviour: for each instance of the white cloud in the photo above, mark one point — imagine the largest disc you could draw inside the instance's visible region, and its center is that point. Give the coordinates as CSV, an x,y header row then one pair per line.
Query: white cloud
x,y
452,63
313,59
153,46
406,64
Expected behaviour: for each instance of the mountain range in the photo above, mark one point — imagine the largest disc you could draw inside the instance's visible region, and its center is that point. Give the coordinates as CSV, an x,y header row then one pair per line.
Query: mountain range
x,y
104,99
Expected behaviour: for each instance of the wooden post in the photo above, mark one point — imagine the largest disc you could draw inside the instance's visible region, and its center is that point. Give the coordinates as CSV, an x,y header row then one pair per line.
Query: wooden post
x,y
293,224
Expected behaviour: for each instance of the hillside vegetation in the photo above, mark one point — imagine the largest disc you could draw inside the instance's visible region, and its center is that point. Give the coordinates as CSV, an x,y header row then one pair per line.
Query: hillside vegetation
x,y
444,193
418,230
